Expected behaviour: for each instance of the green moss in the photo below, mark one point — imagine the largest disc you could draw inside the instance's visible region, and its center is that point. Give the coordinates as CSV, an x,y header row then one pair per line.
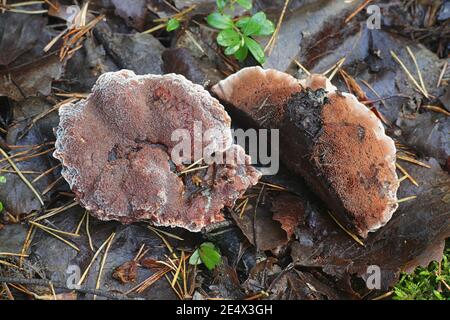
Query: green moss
x,y
426,283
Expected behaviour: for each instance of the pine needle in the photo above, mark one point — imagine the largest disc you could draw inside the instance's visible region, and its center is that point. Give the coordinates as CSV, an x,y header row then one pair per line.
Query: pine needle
x,y
89,233
55,235
408,73
102,264
353,236
414,161
441,76
403,170
302,67
405,199
271,44
83,277
384,295
25,180
413,57
358,10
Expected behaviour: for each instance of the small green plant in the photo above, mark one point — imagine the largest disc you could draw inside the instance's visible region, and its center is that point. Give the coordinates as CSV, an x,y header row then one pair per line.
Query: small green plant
x,y
426,283
236,35
173,24
207,254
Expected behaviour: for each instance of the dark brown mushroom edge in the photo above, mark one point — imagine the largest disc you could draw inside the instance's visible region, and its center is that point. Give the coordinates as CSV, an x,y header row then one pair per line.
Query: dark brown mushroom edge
x,y
329,138
115,147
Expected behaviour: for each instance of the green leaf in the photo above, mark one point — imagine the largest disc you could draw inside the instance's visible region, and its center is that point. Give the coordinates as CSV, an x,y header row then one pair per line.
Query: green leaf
x,y
172,24
255,24
246,4
255,49
232,50
1,207
209,255
267,28
241,54
242,22
219,21
2,179
195,258
228,37
221,4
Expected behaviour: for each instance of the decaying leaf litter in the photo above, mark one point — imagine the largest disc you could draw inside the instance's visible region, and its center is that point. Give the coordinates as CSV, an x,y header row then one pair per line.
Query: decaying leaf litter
x,y
279,241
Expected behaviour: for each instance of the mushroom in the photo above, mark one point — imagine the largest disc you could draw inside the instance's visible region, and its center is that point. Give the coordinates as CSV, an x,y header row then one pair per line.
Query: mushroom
x,y
329,138
254,93
116,150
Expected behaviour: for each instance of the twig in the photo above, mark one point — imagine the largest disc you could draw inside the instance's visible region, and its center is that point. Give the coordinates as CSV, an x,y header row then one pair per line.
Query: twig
x,y
43,282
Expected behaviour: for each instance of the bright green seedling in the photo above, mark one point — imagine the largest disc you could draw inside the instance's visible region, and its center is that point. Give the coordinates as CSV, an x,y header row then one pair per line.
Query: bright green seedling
x,y
207,254
426,283
173,24
236,36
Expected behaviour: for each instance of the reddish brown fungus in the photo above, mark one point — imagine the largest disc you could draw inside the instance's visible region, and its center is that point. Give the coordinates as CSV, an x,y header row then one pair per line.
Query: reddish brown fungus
x,y
116,147
336,143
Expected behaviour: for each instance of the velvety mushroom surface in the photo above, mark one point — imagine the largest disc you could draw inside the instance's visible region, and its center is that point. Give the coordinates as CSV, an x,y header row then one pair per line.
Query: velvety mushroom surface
x,y
116,146
336,143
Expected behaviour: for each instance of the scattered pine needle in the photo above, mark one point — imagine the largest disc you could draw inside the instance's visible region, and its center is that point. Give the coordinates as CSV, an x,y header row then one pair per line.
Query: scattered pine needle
x,y
273,186
88,233
245,202
384,296
335,68
271,44
45,173
10,254
414,161
353,236
403,170
45,229
25,180
8,292
78,229
358,10
8,264
83,277
257,296
408,73
55,211
141,287
192,170
302,67
171,235
441,76
69,234
102,264
406,199
436,109
26,244
413,57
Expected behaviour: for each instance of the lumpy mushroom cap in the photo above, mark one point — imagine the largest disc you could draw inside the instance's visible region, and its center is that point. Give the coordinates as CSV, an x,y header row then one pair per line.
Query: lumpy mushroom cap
x,y
346,157
116,145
